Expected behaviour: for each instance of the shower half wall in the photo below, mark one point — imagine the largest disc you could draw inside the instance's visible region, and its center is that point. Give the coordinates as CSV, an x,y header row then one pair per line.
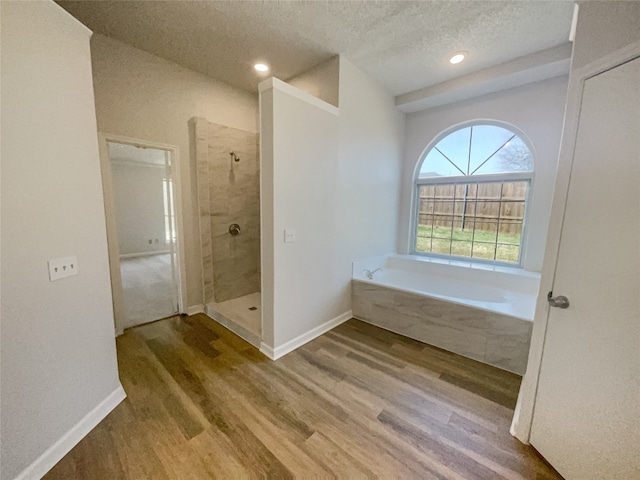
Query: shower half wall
x,y
228,179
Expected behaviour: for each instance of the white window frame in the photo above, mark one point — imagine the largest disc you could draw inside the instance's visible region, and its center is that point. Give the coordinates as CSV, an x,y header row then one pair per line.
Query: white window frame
x,y
466,179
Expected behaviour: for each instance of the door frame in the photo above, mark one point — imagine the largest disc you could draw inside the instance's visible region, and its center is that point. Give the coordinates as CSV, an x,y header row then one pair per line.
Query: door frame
x,y
523,415
110,216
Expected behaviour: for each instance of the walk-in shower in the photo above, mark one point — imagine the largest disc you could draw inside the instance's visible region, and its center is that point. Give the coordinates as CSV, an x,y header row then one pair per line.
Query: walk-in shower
x,y
228,175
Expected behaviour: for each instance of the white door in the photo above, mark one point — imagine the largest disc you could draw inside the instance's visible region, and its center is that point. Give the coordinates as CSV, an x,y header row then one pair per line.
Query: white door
x,y
586,420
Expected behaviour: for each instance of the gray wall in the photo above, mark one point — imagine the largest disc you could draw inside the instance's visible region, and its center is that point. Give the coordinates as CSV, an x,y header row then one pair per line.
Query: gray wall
x,y
537,110
603,28
139,204
58,357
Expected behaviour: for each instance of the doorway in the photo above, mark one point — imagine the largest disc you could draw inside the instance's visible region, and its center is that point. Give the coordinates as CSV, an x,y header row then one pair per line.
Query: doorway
x,y
143,230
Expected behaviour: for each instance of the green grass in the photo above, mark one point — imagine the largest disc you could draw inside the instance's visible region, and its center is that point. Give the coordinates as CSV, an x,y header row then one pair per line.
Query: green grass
x,y
459,242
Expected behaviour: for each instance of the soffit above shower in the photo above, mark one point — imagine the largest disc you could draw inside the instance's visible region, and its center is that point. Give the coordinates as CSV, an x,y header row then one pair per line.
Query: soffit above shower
x,y
405,46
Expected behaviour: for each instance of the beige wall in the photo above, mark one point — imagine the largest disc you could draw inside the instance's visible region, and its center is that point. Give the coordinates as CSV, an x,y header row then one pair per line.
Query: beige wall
x,y
142,96
58,356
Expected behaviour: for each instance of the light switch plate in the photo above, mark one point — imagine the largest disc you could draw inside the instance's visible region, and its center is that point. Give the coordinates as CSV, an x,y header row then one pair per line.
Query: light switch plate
x,y
62,268
289,235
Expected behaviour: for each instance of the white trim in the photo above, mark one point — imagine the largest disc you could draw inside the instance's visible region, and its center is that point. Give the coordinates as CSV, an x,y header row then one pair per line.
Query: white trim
x,y
276,84
144,254
58,450
523,415
135,163
194,309
574,22
291,345
479,178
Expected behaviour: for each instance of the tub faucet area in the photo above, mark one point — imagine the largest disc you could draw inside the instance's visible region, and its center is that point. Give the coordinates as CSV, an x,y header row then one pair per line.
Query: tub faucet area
x,y
369,273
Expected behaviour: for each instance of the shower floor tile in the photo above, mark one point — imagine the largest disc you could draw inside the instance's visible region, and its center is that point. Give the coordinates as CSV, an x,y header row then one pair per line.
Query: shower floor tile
x,y
245,312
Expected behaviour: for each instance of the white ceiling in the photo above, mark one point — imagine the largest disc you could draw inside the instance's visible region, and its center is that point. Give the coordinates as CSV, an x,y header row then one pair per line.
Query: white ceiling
x,y
404,45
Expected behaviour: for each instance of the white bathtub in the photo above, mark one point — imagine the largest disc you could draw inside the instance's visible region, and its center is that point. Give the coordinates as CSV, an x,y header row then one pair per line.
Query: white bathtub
x,y
504,290
480,311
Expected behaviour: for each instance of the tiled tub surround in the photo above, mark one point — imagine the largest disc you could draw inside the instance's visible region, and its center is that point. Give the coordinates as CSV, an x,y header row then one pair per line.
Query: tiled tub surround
x,y
483,312
228,192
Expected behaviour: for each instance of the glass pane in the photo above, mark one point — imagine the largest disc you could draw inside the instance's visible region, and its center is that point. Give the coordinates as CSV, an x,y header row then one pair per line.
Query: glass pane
x,y
514,191
427,191
473,220
443,213
442,227
508,253
456,147
472,191
513,157
464,211
436,165
511,211
490,191
460,191
485,141
510,232
425,229
423,244
484,250
460,233
441,245
485,230
426,206
477,150
468,209
462,249
444,192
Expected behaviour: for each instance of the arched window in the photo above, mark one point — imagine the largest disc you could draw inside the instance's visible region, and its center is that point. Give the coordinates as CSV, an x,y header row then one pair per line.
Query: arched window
x,y
471,194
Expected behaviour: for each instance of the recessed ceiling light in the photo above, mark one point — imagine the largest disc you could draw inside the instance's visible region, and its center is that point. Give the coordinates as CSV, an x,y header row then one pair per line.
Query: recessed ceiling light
x,y
261,67
457,57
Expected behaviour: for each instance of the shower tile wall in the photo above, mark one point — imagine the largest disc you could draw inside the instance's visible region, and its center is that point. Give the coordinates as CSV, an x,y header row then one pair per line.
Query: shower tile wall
x,y
228,192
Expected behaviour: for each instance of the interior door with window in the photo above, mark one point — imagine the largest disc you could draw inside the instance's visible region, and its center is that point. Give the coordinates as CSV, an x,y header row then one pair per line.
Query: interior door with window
x,y
587,413
145,224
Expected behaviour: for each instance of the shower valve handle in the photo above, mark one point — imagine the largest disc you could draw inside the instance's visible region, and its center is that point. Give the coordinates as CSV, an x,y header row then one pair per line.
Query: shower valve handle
x,y
234,229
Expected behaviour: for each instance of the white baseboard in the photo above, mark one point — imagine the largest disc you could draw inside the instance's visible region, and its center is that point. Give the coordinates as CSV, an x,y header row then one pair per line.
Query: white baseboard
x,y
55,452
291,345
193,309
267,351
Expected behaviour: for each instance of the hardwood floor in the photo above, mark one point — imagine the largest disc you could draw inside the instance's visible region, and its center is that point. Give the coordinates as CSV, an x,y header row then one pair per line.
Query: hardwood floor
x,y
357,402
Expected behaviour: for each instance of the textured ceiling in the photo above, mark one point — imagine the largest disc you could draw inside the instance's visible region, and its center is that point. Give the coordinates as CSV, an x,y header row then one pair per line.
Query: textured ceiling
x,y
404,45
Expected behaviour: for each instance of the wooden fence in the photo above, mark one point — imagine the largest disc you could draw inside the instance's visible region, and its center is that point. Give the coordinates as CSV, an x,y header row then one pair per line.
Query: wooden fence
x,y
492,206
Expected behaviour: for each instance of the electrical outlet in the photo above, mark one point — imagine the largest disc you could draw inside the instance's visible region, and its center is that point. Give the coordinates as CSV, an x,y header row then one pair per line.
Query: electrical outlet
x,y
289,235
62,268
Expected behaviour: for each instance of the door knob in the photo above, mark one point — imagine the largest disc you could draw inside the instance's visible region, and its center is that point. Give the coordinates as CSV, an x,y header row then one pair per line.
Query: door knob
x,y
559,302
